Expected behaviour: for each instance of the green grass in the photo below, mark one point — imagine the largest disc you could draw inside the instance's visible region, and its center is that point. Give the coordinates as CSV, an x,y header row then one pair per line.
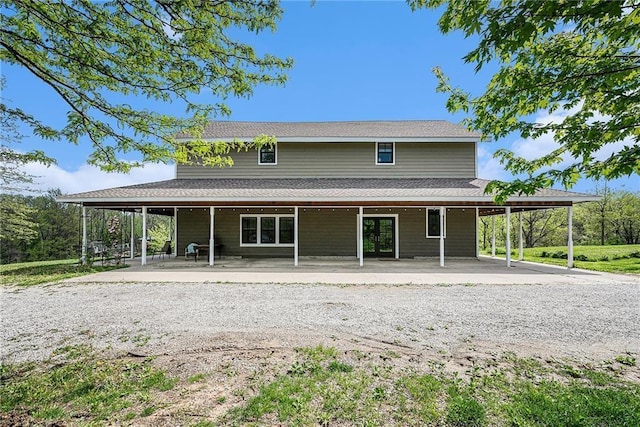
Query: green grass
x,y
36,273
77,385
323,386
520,392
611,259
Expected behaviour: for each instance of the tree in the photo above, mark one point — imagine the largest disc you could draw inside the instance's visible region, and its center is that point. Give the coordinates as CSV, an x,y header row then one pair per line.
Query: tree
x,y
16,225
578,58
540,227
625,219
94,53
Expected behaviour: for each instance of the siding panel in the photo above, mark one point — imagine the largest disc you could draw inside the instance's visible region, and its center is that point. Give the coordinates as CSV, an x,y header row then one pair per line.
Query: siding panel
x,y
347,160
329,232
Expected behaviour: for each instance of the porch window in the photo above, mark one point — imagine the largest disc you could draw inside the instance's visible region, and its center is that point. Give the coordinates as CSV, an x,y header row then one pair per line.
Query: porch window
x,y
433,223
385,153
266,230
286,229
249,230
267,155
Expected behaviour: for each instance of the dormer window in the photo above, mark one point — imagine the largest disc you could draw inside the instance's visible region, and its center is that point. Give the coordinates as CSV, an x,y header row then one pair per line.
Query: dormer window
x,y
385,153
267,155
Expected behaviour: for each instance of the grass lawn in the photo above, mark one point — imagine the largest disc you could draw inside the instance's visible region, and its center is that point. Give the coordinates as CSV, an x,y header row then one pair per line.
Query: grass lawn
x,y
612,259
36,273
323,386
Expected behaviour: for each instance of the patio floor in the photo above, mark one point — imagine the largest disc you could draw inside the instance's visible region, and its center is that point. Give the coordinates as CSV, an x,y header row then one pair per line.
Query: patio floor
x,y
467,271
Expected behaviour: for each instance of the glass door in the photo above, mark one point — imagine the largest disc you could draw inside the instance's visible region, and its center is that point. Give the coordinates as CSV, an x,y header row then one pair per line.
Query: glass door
x,y
378,236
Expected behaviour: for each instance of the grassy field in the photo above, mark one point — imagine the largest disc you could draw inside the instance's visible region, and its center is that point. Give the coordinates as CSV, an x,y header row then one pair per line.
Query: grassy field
x,y
36,273
612,259
322,387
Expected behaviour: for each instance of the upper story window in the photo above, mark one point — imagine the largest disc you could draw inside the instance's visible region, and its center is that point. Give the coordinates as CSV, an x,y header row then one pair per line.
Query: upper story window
x,y
385,153
267,155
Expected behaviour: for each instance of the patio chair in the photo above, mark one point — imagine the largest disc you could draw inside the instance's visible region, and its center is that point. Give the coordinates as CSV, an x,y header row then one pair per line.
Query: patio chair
x,y
166,250
190,249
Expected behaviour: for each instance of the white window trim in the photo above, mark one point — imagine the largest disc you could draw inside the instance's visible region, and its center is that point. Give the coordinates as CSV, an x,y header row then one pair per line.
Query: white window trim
x,y
259,231
444,223
393,145
275,155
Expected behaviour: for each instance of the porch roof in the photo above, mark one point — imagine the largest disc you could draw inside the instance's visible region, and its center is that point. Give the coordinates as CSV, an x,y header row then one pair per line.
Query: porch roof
x,y
316,191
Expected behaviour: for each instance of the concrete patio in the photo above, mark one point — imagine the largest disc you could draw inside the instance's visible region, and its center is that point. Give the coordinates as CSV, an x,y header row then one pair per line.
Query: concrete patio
x,y
485,270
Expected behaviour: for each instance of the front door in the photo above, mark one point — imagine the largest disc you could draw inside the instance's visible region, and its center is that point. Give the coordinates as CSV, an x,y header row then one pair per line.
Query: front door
x,y
379,236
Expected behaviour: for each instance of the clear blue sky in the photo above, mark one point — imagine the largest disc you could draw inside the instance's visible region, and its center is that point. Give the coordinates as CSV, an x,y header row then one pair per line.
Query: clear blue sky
x,y
358,60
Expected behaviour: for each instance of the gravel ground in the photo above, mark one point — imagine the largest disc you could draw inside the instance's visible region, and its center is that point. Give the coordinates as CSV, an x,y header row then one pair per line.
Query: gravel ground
x,y
587,321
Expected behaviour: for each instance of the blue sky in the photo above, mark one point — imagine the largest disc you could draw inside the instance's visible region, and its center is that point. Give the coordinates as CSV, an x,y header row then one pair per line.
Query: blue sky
x,y
357,60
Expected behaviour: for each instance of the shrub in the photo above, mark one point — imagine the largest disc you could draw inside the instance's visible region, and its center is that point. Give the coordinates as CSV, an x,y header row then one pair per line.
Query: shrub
x,y
559,254
545,254
581,257
635,254
603,258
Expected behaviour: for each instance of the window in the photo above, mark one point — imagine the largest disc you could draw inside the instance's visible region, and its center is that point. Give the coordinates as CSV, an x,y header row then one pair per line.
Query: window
x,y
274,230
267,155
249,230
267,229
433,223
385,153
286,229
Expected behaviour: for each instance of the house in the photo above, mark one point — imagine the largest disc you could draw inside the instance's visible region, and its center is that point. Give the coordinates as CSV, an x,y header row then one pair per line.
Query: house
x,y
399,189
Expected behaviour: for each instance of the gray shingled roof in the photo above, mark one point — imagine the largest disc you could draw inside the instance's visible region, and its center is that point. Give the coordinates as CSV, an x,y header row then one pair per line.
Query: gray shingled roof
x,y
309,189
351,129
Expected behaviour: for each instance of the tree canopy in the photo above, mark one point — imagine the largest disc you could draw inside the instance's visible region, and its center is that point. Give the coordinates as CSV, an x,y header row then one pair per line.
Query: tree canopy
x,y
95,54
577,58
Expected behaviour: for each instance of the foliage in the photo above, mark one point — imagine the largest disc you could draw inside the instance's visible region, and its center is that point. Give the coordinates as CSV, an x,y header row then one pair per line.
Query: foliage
x,y
92,54
614,220
16,224
77,384
578,59
50,230
159,232
611,259
36,273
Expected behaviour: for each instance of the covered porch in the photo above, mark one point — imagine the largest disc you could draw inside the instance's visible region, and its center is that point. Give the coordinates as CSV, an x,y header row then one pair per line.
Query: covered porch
x,y
353,219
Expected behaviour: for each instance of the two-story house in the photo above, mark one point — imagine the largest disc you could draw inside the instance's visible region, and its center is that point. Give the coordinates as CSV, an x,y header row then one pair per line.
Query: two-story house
x,y
400,189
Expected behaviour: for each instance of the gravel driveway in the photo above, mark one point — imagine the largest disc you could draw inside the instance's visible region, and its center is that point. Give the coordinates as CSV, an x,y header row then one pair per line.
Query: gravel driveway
x,y
586,321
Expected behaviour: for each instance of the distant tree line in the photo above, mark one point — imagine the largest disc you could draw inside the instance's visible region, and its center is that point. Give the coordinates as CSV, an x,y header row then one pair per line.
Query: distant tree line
x,y
38,228
613,220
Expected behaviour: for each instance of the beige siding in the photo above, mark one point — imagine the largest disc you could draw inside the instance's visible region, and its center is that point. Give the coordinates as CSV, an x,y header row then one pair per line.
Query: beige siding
x,y
329,232
348,160
193,227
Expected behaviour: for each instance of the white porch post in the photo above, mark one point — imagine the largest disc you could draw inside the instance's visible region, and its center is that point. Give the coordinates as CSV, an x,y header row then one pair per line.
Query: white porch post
x,y
175,231
477,232
441,236
84,235
507,240
360,237
570,237
295,236
212,243
132,241
493,235
143,251
520,250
